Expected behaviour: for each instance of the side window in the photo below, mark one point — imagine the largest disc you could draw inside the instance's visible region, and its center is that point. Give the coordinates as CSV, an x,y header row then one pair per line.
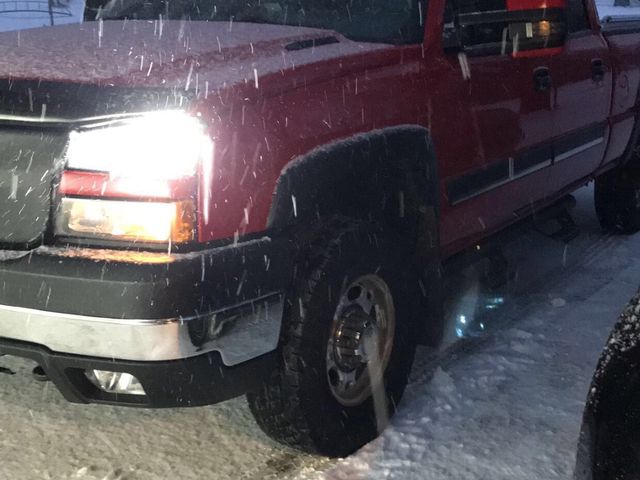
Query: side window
x,y
490,37
577,16
487,27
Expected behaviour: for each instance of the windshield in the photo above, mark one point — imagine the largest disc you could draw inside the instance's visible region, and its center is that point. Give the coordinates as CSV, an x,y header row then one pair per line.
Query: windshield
x,y
388,21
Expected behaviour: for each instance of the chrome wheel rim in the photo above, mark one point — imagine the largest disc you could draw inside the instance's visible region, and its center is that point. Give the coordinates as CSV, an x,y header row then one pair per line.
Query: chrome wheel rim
x,y
361,340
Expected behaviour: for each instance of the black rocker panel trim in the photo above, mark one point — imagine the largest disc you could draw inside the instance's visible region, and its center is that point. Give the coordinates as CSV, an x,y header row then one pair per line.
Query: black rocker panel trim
x,y
477,182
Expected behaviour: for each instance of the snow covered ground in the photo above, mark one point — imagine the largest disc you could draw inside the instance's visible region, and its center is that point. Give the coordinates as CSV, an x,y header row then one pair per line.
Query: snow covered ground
x,y
504,403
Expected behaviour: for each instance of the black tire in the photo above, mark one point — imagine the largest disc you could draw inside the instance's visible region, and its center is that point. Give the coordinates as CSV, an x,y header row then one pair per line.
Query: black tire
x,y
296,406
609,446
617,454
617,200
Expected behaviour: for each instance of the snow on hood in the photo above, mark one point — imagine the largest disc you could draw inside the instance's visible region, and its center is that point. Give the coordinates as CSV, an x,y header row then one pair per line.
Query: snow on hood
x,y
176,54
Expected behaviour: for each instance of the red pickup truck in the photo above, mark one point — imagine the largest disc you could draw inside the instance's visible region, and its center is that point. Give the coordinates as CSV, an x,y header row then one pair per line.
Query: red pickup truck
x,y
204,200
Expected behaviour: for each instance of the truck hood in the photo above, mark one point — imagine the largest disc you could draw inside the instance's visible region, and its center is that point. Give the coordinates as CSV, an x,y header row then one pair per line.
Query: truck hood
x,y
168,54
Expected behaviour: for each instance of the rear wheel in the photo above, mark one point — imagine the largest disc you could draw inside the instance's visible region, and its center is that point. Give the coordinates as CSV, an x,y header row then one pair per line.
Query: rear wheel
x,y
347,343
617,200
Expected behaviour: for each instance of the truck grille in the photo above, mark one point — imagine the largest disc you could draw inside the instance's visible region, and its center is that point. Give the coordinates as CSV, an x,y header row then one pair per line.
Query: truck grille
x,y
29,160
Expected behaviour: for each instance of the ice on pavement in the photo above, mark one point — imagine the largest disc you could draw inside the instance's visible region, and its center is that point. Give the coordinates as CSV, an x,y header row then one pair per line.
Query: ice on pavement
x,y
504,403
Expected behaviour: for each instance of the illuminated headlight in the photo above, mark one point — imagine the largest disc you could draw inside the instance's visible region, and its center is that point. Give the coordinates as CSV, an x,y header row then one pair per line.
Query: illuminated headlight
x,y
115,168
115,382
165,145
127,220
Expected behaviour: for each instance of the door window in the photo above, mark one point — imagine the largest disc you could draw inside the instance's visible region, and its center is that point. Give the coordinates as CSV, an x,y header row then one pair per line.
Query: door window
x,y
489,37
577,17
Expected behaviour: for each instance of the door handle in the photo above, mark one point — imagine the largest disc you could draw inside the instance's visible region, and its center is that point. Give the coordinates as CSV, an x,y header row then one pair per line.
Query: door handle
x,y
541,79
598,70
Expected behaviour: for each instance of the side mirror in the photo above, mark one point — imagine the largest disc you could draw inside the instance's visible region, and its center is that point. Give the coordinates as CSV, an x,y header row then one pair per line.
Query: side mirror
x,y
526,28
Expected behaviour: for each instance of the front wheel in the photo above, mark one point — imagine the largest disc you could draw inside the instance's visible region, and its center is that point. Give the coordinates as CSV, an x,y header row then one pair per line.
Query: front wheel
x,y
347,344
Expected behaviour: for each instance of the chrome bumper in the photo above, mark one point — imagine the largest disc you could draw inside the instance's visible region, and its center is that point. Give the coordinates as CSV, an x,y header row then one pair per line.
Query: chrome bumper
x,y
239,333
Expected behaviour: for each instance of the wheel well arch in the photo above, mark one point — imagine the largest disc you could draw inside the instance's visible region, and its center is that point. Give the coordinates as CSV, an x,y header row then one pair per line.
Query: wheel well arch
x,y
387,175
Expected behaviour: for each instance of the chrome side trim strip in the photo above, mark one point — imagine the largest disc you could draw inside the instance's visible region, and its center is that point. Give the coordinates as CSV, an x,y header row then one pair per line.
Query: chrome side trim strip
x,y
512,176
477,193
510,172
238,333
580,149
546,164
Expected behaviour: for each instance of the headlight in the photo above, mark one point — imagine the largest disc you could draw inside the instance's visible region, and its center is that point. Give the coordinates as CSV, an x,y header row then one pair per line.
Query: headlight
x,y
162,222
166,145
134,179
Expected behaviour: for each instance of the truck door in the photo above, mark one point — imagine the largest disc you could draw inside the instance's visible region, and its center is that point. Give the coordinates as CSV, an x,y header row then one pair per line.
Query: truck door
x,y
497,121
581,82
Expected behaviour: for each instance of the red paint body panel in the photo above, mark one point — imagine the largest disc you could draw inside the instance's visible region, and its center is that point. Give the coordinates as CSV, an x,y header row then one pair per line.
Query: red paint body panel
x,y
620,134
580,102
625,51
255,141
415,85
493,122
513,5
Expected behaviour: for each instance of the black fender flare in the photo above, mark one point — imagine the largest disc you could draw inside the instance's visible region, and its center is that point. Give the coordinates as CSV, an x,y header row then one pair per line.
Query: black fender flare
x,y
388,176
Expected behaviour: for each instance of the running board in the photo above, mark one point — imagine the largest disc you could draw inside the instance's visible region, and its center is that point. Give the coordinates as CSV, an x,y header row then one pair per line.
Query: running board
x,y
496,242
557,222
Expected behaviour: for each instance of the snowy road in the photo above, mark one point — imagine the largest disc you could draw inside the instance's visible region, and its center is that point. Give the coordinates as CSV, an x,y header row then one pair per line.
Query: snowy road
x,y
503,405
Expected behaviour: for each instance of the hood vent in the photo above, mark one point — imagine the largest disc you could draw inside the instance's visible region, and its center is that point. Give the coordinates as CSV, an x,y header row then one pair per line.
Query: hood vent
x,y
311,43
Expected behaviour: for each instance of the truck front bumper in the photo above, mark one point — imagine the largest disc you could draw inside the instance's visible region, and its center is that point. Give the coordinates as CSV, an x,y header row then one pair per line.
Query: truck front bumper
x,y
189,382
237,333
193,329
